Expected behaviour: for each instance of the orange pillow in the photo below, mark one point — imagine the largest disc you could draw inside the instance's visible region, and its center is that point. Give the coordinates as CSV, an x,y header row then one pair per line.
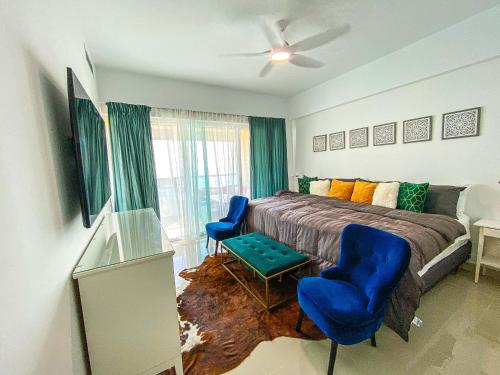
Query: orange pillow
x,y
341,189
363,192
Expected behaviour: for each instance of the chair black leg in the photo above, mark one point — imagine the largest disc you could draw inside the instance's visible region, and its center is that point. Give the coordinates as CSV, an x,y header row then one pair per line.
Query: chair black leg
x,y
216,247
208,239
333,355
373,341
300,318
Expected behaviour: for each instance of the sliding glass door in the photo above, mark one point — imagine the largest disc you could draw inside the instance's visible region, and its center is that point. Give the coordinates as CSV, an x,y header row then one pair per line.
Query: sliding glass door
x,y
202,159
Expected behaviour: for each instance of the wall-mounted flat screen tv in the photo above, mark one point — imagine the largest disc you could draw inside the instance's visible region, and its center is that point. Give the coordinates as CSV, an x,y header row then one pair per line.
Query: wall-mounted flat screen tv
x,y
89,138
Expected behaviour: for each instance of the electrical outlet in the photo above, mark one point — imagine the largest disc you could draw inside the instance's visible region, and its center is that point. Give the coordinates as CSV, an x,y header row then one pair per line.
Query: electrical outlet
x,y
417,321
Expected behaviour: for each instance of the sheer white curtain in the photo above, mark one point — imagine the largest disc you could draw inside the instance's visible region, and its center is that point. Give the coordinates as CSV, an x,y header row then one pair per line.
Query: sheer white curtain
x,y
202,159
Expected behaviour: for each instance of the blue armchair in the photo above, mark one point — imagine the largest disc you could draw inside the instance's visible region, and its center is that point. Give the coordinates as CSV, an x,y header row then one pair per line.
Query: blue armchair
x,y
230,226
348,301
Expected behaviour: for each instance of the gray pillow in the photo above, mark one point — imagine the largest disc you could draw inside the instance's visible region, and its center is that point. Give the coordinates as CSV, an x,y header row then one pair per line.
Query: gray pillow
x,y
442,200
378,182
344,179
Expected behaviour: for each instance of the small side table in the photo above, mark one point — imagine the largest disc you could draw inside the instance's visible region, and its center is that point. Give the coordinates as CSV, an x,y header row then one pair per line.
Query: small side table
x,y
487,228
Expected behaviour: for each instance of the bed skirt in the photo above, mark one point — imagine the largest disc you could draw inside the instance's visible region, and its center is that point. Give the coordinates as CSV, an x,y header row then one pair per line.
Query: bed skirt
x,y
445,266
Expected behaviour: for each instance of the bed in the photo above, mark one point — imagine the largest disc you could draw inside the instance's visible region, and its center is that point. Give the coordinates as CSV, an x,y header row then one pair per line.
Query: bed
x,y
312,225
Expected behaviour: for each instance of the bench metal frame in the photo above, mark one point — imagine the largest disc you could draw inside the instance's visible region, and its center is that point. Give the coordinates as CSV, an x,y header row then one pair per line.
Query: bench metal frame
x,y
263,301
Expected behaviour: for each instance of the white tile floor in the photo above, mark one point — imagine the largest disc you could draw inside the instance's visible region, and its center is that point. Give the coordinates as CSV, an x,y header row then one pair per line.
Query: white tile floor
x,y
460,335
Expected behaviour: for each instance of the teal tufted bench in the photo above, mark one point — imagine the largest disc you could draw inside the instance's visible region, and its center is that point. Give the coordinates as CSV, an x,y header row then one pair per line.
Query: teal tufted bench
x,y
266,258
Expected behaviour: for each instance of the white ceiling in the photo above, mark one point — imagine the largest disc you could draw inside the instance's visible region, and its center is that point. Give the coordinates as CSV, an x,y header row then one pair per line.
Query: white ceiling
x,y
183,39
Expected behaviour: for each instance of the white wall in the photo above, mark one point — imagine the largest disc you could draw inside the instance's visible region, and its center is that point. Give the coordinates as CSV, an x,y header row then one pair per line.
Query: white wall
x,y
41,230
465,160
161,92
468,42
474,160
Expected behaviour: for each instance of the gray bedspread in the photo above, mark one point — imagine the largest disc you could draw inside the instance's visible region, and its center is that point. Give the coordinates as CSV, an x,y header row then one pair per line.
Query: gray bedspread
x,y
312,225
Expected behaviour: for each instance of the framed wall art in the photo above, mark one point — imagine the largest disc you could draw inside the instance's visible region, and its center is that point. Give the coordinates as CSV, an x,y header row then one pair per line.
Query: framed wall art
x,y
319,143
417,130
358,138
460,124
384,134
337,141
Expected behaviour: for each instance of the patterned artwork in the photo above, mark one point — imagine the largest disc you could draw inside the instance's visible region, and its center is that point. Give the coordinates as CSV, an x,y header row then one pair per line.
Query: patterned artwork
x,y
358,138
460,124
337,141
319,143
384,134
417,130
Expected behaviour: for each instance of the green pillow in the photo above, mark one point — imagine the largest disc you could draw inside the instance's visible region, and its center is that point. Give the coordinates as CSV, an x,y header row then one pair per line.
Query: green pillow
x,y
412,196
304,184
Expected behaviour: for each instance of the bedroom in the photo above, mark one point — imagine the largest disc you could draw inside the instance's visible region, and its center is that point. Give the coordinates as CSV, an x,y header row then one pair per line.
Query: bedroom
x,y
381,64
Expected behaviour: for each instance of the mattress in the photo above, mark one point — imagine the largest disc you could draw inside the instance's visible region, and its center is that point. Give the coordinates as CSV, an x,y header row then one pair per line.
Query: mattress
x,y
450,250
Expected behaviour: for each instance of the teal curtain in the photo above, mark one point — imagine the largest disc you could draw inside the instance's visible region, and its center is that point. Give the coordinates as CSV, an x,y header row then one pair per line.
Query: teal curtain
x,y
132,154
268,162
91,132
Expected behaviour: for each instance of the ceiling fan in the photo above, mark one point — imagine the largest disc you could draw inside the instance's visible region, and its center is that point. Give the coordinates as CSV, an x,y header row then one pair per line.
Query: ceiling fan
x,y
282,51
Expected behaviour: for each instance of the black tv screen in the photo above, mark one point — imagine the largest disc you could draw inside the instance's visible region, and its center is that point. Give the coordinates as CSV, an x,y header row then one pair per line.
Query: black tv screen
x,y
89,137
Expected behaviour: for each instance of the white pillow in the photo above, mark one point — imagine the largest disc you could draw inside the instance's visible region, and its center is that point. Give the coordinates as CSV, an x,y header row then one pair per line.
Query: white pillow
x,y
462,199
386,194
461,216
320,187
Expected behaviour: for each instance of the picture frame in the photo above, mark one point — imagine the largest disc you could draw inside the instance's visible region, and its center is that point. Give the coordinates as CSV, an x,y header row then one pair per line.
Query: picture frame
x,y
384,134
461,124
337,140
358,137
319,143
417,130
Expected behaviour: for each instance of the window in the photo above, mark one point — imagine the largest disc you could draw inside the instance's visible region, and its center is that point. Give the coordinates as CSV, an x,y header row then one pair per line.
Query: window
x,y
202,159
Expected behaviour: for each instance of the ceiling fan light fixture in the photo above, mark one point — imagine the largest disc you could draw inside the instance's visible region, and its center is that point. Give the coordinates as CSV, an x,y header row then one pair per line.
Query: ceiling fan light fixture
x,y
280,55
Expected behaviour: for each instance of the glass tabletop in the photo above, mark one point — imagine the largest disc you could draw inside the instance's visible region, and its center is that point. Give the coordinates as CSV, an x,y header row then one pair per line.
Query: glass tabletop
x,y
124,237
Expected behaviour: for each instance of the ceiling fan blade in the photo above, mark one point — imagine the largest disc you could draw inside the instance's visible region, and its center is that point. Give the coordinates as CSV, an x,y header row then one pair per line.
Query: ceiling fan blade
x,y
319,39
250,54
266,69
305,62
282,25
273,34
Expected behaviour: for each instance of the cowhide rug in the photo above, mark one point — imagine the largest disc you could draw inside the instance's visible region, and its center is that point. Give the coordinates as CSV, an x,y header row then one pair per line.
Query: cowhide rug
x,y
221,323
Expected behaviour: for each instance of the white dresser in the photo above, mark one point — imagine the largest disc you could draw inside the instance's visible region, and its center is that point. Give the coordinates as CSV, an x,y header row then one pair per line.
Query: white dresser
x,y
127,292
